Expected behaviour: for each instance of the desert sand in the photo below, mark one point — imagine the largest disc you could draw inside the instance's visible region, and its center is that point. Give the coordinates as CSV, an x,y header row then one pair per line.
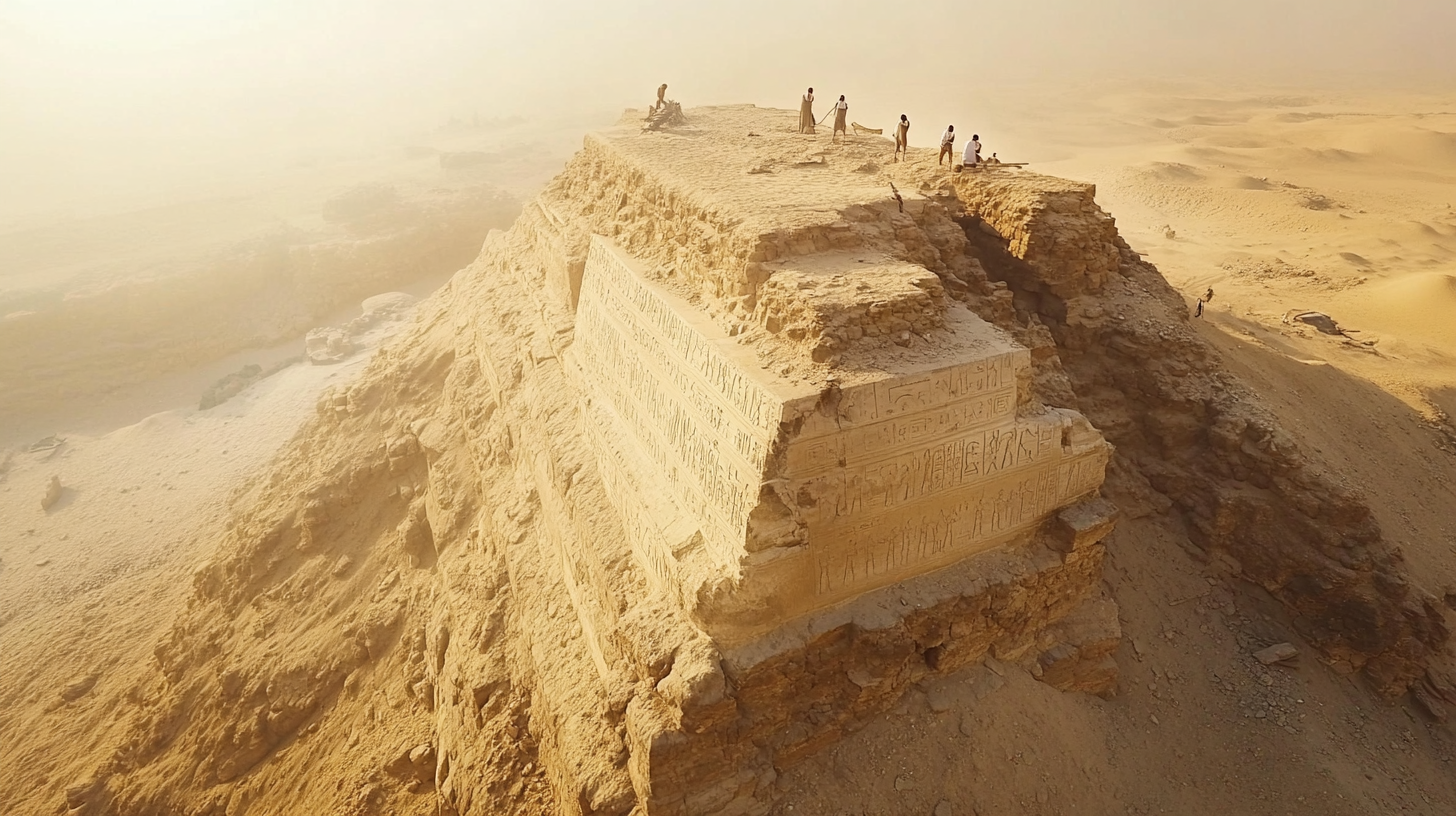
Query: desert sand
x,y
218,658
1336,203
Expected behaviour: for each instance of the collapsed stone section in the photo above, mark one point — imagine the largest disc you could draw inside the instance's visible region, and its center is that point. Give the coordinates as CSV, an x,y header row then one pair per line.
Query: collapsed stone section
x,y
1118,345
1053,225
831,311
781,498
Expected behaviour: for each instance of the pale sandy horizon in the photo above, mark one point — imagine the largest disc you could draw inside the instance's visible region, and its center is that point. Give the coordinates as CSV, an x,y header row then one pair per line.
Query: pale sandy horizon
x,y
103,102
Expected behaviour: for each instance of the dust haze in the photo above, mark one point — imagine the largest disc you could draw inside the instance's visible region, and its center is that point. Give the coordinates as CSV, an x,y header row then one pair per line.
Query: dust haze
x,y
401,413
120,103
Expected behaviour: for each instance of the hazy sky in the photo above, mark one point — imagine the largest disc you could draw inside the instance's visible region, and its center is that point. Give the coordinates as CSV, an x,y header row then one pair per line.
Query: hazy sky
x,y
88,86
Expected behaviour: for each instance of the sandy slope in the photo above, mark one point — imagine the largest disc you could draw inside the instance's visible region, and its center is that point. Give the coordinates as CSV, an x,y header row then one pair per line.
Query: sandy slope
x,y
88,587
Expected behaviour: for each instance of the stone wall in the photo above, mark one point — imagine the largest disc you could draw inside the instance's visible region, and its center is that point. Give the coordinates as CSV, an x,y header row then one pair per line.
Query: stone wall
x,y
807,495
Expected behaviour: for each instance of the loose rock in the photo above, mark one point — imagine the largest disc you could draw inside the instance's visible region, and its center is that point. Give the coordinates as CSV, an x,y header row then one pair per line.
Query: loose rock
x,y
1278,653
52,494
78,688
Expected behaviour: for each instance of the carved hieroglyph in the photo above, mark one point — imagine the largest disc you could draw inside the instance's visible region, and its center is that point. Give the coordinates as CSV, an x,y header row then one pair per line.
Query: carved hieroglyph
x,y
754,499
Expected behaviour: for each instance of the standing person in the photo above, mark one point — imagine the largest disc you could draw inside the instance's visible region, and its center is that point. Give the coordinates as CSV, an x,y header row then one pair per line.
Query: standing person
x,y
947,145
806,113
973,151
902,136
661,97
841,113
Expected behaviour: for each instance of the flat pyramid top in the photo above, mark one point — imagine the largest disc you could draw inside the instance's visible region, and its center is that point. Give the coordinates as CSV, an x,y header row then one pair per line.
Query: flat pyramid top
x,y
752,165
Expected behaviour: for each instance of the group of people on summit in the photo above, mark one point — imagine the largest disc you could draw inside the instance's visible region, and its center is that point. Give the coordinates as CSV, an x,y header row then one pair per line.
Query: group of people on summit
x,y
807,122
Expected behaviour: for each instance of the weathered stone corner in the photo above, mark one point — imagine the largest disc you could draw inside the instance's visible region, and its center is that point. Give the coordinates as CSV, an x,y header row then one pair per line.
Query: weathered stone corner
x,y
1084,524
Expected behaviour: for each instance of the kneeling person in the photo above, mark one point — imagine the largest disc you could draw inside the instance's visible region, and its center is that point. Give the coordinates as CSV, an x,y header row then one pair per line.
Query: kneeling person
x,y
973,151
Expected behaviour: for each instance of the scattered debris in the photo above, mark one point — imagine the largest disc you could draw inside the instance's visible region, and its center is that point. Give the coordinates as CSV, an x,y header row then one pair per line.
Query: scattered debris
x,y
327,346
414,764
1321,321
238,381
669,115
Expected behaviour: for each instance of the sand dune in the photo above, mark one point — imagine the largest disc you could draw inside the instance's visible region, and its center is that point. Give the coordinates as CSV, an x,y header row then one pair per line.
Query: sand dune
x,y
1336,202
1418,306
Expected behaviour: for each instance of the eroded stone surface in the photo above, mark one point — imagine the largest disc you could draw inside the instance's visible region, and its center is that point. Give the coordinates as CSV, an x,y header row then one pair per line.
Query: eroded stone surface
x,y
809,493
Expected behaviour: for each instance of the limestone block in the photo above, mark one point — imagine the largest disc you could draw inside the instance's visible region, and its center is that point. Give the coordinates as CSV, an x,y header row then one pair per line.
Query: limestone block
x,y
1085,524
754,499
1080,658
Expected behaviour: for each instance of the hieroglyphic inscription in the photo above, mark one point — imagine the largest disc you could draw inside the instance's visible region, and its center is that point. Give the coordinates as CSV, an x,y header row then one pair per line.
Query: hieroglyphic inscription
x,y
697,417
904,473
706,477
887,545
953,385
922,472
612,281
628,495
854,446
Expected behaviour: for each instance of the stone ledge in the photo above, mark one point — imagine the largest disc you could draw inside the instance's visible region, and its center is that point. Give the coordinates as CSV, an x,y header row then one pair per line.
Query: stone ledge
x,y
1084,524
